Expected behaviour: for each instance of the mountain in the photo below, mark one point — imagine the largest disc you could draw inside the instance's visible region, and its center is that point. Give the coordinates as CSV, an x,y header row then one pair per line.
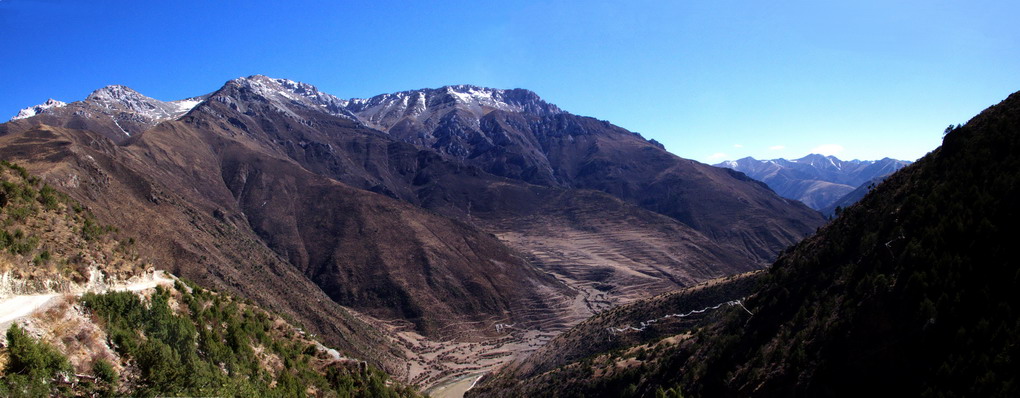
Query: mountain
x,y
35,110
909,292
84,315
852,197
817,180
449,119
116,112
515,134
393,249
189,236
352,250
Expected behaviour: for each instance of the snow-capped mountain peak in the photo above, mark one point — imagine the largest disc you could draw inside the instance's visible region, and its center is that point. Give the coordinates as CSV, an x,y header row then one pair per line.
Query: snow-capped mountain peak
x,y
817,180
283,94
117,99
116,92
35,110
117,111
383,111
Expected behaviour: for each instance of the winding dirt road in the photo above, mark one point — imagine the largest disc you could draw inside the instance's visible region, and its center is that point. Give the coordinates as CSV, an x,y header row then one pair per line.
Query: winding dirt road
x,y
16,307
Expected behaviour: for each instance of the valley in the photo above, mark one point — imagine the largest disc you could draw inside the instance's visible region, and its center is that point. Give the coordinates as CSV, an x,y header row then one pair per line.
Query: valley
x,y
907,292
462,239
428,258
509,199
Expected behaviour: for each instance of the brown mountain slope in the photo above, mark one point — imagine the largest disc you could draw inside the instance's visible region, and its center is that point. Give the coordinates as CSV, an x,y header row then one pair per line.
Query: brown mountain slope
x,y
611,250
81,314
190,238
355,245
912,291
631,252
295,121
271,175
734,211
617,341
513,133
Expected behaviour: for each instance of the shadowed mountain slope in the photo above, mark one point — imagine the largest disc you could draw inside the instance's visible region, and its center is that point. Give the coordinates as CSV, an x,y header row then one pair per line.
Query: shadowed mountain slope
x,y
911,288
192,238
615,340
515,134
852,197
910,292
296,121
83,314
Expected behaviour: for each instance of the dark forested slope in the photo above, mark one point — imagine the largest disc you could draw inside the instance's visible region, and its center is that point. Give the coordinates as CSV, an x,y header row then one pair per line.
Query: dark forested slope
x,y
911,292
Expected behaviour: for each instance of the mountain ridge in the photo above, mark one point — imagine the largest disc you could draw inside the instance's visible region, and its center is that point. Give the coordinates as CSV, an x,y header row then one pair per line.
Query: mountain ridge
x,y
115,111
814,179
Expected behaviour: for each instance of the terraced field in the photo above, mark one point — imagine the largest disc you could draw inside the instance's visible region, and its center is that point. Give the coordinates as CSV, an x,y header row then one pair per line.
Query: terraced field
x,y
608,258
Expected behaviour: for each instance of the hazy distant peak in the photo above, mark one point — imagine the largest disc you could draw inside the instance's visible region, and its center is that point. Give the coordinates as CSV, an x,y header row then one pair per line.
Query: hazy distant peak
x,y
814,157
815,179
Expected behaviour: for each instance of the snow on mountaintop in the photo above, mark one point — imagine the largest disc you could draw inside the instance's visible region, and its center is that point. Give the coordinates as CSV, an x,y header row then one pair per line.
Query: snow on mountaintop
x,y
420,105
186,105
121,101
117,111
817,167
35,110
282,94
471,94
116,92
117,98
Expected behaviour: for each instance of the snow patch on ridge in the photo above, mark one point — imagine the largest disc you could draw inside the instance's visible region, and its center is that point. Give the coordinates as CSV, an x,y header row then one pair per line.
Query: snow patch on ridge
x,y
186,105
426,106
287,96
35,110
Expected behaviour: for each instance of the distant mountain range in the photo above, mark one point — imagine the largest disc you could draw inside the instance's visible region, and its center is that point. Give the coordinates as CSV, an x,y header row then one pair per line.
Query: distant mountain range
x,y
816,180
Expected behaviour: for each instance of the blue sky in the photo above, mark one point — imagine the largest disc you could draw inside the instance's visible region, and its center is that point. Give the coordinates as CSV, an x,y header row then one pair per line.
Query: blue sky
x,y
711,80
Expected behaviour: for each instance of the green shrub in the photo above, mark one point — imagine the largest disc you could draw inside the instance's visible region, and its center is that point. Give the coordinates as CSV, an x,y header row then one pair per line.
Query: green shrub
x,y
181,355
48,197
32,367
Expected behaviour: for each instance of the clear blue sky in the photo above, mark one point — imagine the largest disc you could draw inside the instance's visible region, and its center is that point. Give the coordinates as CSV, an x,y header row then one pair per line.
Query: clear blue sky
x,y
709,79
